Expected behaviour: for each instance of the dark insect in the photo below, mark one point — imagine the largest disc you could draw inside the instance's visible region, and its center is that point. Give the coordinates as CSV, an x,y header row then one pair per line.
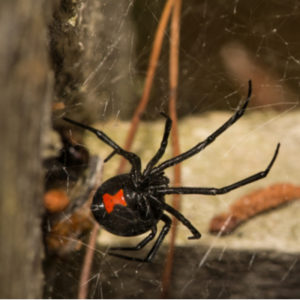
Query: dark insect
x,y
132,204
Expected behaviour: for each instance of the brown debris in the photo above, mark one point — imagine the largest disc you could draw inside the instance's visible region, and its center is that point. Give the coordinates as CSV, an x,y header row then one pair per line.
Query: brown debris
x,y
56,200
252,204
58,106
65,235
70,216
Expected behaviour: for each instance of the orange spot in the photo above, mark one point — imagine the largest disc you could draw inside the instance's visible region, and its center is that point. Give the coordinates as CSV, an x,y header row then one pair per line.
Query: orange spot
x,y
56,200
111,200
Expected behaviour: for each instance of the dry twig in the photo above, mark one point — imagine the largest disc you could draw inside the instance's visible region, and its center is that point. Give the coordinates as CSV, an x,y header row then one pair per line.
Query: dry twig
x,y
156,49
253,204
173,78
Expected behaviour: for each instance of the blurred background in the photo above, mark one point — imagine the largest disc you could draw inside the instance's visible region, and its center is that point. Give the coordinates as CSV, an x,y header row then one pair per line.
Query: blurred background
x,y
88,60
222,46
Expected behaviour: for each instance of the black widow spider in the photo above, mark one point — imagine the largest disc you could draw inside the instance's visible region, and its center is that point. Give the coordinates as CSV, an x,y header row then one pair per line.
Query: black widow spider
x,y
133,203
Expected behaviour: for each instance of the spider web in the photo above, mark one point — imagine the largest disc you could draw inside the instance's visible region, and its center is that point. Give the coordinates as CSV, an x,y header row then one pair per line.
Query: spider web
x,y
223,45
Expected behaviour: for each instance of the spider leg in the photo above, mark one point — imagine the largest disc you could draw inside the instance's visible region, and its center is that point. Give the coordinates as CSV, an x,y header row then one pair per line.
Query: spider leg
x,y
222,190
140,245
110,156
162,147
181,218
200,146
160,151
131,157
155,247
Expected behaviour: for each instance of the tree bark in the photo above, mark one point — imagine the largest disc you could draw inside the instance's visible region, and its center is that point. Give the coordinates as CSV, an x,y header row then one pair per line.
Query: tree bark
x,y
26,90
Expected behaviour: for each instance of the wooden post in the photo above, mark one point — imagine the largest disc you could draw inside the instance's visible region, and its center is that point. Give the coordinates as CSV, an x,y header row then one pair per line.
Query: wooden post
x,y
25,93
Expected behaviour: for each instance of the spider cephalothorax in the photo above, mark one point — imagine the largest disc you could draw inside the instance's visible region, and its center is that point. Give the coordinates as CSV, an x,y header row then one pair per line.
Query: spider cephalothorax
x,y
133,203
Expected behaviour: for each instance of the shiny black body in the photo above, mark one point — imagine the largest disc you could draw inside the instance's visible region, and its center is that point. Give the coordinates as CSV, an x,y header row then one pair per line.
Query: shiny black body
x,y
137,217
144,191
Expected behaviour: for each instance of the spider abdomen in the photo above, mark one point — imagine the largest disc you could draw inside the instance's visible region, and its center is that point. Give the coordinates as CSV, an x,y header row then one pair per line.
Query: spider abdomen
x,y
122,209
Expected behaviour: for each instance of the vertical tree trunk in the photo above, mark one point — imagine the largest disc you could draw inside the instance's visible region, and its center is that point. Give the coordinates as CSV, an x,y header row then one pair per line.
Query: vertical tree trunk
x,y
26,87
